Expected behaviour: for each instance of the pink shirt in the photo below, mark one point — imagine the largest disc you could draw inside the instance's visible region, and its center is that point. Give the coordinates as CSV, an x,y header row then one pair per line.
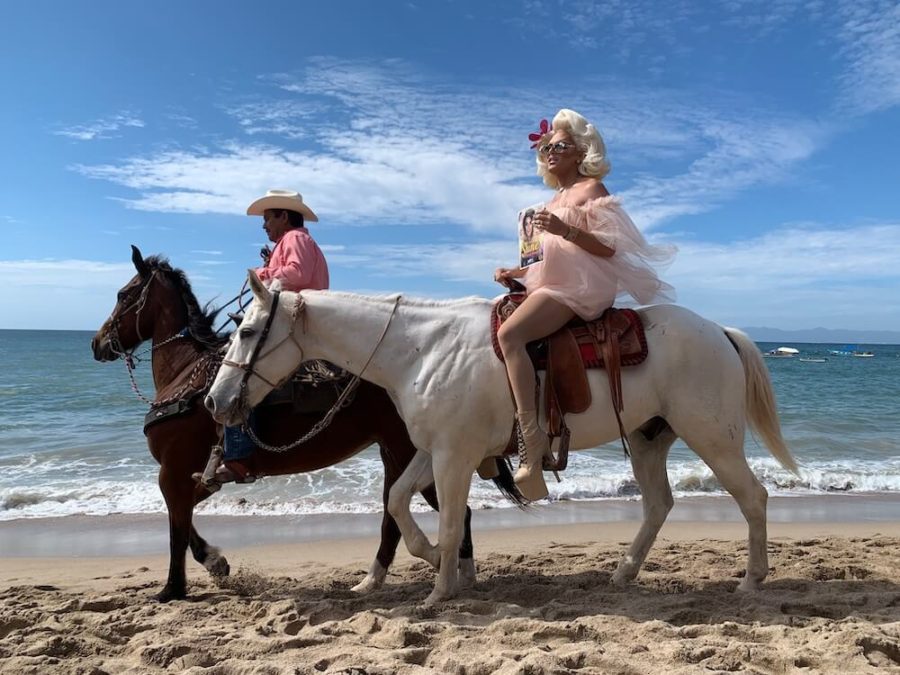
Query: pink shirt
x,y
298,261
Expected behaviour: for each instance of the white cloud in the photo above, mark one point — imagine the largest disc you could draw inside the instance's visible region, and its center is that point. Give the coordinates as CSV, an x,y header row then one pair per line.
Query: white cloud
x,y
102,128
870,38
401,148
469,263
796,277
53,273
292,119
59,293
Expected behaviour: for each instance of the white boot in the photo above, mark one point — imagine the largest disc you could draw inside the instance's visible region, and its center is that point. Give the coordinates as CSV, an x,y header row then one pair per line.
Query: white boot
x,y
530,475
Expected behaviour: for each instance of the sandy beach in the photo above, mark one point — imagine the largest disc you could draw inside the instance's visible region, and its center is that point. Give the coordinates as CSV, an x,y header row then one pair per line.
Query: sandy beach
x,y
543,603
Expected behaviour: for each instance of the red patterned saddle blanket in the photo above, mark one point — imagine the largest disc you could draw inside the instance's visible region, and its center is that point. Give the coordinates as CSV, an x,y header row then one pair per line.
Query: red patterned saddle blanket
x,y
614,340
588,335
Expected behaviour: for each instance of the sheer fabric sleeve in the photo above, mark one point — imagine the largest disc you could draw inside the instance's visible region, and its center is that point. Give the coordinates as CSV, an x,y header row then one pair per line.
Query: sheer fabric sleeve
x,y
634,259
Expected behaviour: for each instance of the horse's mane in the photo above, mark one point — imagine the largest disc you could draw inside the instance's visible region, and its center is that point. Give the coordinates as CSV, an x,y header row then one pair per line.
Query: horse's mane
x,y
200,319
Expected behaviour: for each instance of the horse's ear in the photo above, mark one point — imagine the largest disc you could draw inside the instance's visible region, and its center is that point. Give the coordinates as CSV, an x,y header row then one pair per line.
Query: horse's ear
x,y
138,261
259,289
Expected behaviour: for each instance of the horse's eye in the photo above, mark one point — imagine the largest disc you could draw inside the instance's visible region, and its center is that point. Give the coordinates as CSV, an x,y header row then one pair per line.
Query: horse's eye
x,y
247,332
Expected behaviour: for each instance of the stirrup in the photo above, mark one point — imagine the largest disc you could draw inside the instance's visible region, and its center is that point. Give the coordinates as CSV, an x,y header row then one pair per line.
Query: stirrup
x,y
208,478
233,472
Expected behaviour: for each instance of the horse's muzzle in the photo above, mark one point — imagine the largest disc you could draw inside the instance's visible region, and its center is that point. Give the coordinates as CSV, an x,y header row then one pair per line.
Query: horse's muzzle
x,y
102,349
227,415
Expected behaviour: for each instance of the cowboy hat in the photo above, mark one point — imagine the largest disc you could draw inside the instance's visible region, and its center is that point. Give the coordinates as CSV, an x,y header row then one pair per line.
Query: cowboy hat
x,y
282,199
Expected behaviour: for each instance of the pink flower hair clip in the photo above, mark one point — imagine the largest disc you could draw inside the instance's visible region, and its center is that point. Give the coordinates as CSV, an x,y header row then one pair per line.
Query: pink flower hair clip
x,y
543,130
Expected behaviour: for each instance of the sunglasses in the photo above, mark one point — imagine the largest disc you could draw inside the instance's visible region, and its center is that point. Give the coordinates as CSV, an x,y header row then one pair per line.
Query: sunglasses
x,y
556,148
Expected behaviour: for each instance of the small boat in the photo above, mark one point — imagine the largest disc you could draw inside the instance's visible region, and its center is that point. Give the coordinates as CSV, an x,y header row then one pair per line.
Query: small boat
x,y
813,360
782,353
852,350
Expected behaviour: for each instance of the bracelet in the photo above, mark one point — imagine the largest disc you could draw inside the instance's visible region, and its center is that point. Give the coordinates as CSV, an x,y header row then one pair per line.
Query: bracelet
x,y
571,233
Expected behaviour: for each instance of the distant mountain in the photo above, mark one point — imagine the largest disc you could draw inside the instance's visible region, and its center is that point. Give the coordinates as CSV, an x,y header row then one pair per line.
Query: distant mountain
x,y
827,335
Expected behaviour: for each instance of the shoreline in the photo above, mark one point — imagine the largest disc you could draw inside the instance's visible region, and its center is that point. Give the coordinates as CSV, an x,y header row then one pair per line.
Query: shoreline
x,y
119,535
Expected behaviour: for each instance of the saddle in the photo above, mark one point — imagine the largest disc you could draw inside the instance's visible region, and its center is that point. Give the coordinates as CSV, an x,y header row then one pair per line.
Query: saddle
x,y
314,388
614,340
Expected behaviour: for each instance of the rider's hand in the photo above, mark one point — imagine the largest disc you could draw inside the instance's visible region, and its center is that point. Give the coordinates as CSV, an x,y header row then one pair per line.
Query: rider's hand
x,y
546,221
265,253
504,275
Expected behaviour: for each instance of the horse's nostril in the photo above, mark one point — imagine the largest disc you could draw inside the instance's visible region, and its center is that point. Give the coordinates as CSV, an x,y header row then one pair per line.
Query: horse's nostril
x,y
210,404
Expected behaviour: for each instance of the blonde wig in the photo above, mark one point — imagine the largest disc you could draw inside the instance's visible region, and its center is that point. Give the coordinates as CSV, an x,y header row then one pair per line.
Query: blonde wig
x,y
586,138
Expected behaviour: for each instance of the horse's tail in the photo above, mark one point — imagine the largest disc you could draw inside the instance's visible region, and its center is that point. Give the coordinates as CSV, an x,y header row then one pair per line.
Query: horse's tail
x,y
760,399
507,486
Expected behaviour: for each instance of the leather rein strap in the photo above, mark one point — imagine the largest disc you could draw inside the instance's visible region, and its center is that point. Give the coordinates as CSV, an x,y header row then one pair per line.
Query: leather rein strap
x,y
248,367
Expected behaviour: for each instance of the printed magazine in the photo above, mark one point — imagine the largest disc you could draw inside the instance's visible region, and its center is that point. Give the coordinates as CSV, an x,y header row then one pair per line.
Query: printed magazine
x,y
531,240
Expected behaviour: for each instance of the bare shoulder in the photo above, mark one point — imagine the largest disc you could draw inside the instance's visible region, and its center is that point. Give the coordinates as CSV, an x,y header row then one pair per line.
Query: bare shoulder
x,y
586,191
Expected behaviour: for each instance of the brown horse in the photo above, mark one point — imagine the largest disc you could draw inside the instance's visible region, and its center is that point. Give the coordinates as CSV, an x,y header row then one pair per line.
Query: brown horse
x,y
158,304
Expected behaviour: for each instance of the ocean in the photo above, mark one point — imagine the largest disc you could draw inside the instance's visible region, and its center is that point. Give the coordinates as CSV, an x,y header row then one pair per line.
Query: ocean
x,y
71,441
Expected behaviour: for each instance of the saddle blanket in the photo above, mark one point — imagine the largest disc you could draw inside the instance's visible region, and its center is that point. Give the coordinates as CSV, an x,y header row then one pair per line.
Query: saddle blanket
x,y
588,334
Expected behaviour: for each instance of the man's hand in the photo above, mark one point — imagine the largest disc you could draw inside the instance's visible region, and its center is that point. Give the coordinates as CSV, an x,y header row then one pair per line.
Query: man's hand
x,y
265,253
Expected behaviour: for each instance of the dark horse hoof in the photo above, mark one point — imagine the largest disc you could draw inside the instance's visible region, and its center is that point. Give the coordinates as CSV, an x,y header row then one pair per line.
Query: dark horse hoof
x,y
219,567
168,593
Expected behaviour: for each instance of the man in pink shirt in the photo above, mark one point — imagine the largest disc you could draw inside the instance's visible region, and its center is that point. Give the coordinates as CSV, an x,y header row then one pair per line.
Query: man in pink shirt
x,y
298,262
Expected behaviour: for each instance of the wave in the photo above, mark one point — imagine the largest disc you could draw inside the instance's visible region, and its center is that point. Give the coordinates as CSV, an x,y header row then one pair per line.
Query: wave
x,y
356,485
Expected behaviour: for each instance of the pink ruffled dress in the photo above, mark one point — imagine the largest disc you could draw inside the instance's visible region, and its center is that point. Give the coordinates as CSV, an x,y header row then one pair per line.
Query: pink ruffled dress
x,y
587,283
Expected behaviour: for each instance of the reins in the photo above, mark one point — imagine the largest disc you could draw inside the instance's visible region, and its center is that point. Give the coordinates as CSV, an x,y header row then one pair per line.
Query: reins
x,y
343,400
248,367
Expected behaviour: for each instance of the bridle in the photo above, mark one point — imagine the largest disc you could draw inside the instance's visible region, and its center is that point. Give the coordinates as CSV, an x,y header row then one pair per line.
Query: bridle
x,y
112,332
128,355
257,353
248,368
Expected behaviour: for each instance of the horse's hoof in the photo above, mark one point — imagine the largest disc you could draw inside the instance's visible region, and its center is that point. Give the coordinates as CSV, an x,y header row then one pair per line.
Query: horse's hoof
x,y
622,577
167,594
217,565
748,585
374,579
367,585
466,573
435,598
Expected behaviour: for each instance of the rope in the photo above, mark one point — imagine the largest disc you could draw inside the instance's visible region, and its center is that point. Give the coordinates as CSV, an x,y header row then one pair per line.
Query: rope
x,y
343,400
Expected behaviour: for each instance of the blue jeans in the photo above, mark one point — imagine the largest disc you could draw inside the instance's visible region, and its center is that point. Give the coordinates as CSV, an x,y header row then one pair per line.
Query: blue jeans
x,y
238,444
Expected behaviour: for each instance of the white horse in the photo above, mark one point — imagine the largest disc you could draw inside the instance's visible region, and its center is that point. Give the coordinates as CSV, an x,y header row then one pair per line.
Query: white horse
x,y
701,382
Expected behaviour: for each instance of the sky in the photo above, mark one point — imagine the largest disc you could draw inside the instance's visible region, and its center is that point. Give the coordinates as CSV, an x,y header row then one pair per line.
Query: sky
x,y
760,138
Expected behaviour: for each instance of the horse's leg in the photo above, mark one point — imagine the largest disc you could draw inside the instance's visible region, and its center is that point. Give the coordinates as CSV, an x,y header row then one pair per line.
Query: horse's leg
x,y
414,478
466,549
178,491
452,480
390,532
726,459
209,556
648,460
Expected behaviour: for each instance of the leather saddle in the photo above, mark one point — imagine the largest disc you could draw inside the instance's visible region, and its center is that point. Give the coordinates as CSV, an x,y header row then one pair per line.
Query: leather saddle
x,y
314,388
614,340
